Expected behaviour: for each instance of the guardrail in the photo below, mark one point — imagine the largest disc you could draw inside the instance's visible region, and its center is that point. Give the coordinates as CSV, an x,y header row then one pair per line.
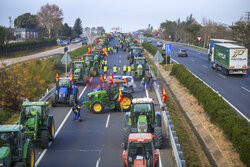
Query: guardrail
x,y
169,127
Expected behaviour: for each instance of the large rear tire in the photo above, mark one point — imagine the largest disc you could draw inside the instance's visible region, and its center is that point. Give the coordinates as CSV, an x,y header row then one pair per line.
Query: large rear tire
x,y
97,107
126,103
30,159
52,129
126,132
44,139
158,139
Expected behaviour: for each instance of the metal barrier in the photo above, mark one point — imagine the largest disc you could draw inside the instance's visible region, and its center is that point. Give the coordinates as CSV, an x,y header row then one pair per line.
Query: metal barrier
x,y
169,127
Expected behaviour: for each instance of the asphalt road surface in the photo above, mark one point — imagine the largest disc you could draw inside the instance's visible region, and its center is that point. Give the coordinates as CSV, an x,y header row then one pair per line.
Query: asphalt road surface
x,y
96,141
234,88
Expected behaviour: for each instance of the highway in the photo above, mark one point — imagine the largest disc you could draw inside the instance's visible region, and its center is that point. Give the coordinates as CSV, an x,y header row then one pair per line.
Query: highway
x,y
96,141
234,88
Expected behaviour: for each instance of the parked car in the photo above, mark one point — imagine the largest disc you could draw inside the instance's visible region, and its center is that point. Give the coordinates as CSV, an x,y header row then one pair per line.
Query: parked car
x,y
62,43
159,44
131,83
183,53
76,40
67,41
85,41
149,40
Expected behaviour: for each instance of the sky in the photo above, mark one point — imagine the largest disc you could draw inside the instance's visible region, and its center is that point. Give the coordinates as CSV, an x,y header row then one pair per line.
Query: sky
x,y
130,15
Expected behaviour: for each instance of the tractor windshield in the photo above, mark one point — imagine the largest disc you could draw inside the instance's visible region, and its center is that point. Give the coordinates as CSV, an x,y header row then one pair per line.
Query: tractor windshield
x,y
8,139
88,58
140,61
64,83
77,65
32,110
136,51
140,151
142,108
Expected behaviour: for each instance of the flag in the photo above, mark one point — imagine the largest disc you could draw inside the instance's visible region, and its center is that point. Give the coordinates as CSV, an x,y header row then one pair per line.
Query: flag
x,y
57,77
111,75
71,77
105,75
88,51
95,42
100,39
126,83
104,51
164,95
120,97
102,80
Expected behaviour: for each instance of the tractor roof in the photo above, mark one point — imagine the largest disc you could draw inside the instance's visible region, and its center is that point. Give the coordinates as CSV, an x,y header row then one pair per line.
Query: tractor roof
x,y
79,61
97,92
38,103
140,58
10,128
142,100
140,137
64,78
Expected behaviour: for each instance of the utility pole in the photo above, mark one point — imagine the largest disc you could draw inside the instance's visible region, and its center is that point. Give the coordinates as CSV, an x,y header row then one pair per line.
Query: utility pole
x,y
10,22
248,16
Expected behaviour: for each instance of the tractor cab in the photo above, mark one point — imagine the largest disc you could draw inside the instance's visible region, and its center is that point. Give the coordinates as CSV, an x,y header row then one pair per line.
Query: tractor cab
x,y
80,72
140,151
89,59
139,67
92,64
136,52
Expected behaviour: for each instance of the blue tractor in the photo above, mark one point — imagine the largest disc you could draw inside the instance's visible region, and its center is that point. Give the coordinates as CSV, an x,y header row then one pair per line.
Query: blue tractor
x,y
66,92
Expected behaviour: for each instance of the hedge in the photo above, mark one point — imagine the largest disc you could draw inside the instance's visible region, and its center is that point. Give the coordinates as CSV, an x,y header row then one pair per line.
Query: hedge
x,y
152,49
27,45
235,128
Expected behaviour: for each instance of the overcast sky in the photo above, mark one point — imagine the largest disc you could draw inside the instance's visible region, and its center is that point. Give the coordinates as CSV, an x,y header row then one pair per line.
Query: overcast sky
x,y
130,15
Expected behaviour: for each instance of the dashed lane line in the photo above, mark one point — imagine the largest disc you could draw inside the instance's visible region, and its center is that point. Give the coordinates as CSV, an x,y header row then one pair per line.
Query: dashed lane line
x,y
245,89
222,75
107,122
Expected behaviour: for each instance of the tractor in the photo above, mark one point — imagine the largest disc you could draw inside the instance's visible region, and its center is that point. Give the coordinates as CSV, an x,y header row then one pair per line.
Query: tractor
x,y
139,67
98,57
16,149
108,96
80,72
66,92
134,52
143,118
92,64
38,124
140,151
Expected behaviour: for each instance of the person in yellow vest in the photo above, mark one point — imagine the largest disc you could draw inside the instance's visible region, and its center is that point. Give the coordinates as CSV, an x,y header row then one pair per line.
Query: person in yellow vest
x,y
124,69
105,68
115,69
109,50
129,70
105,62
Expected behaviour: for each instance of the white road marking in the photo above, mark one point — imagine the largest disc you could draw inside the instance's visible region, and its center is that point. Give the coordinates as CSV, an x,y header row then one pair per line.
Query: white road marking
x,y
146,92
160,163
245,89
58,130
222,75
120,61
107,122
97,162
191,59
204,66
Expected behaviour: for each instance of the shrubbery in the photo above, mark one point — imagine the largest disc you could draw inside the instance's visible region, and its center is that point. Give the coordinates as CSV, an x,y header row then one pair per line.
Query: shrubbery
x,y
27,45
152,49
236,128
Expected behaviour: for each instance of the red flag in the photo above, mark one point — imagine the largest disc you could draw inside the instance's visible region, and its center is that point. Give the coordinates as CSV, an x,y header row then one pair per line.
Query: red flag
x,y
88,51
95,42
111,75
164,95
105,52
105,75
120,97
102,80
71,77
126,83
57,77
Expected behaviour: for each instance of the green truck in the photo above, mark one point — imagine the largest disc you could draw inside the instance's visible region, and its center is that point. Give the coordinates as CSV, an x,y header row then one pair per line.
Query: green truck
x,y
230,58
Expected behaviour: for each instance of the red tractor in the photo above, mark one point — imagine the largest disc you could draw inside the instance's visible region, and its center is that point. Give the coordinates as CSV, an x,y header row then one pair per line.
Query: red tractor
x,y
140,151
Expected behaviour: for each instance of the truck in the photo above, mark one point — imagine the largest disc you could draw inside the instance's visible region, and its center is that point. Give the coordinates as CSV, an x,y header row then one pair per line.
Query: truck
x,y
213,41
230,58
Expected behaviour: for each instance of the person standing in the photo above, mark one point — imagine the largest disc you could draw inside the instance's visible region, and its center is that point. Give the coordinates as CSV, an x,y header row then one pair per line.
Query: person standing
x,y
124,69
129,70
115,69
76,110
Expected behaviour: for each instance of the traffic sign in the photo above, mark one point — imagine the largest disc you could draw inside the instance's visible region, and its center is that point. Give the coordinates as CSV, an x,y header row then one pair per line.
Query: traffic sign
x,y
158,57
66,59
168,49
198,38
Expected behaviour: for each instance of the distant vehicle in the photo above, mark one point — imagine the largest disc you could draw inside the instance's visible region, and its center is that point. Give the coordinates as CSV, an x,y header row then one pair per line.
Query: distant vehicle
x,y
183,53
67,41
85,41
131,83
62,43
76,40
149,40
214,41
230,58
159,44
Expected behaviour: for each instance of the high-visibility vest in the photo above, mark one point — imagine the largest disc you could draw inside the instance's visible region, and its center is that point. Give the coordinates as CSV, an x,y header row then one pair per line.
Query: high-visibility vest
x,y
105,62
124,68
129,68
115,69
105,68
108,48
143,81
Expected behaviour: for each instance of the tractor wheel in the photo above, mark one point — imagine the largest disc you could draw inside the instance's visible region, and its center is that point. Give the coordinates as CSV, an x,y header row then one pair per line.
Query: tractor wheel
x,y
157,163
126,103
158,139
52,129
44,139
30,159
53,101
97,107
85,80
130,89
126,132
71,100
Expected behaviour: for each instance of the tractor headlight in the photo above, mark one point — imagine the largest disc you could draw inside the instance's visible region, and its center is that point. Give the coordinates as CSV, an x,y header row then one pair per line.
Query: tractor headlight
x,y
34,136
76,74
62,94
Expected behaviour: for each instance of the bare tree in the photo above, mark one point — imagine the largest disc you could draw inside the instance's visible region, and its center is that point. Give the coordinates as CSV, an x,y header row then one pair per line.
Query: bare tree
x,y
50,17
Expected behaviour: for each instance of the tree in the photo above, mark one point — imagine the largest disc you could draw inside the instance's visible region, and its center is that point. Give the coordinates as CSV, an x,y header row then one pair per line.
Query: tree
x,y
78,27
26,20
49,17
66,30
168,28
2,34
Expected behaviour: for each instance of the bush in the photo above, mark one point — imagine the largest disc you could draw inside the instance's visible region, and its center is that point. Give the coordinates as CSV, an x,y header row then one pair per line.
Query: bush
x,y
235,128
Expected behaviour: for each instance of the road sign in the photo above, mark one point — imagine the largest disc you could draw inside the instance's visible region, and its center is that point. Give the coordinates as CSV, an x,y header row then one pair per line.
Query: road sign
x,y
158,57
198,38
141,38
66,59
168,49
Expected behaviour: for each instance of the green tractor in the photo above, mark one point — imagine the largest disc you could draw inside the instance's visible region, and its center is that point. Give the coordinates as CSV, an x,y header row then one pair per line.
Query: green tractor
x,y
37,122
92,65
143,118
80,72
109,96
134,52
16,149
140,67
